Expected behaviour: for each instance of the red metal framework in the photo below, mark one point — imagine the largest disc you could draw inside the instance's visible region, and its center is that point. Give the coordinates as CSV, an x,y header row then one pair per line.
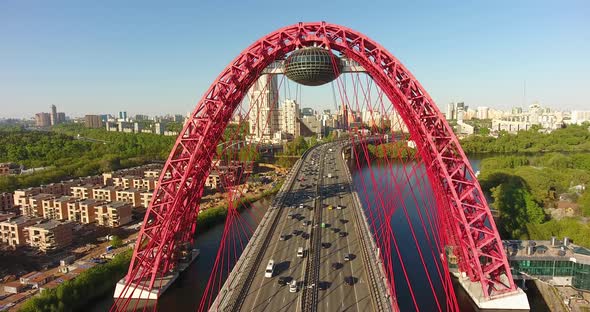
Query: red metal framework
x,y
172,214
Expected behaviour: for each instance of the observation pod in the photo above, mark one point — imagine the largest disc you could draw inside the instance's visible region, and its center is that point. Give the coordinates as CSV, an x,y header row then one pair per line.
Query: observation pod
x,y
312,66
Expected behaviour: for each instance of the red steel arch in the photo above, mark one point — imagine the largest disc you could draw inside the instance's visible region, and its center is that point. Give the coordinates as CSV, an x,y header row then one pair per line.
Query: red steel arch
x,y
171,215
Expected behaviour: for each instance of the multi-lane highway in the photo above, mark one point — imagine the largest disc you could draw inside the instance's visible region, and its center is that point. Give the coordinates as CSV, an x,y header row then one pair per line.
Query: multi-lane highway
x,y
316,213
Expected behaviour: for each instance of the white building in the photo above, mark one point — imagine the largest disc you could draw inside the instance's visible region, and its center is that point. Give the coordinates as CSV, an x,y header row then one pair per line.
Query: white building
x,y
264,108
579,117
288,117
483,112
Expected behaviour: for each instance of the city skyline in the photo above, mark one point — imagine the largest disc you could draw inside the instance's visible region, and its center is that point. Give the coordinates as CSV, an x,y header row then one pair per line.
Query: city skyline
x,y
89,59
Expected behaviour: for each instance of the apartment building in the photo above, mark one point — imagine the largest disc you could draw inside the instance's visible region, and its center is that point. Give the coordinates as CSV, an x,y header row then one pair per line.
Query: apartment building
x,y
152,174
145,183
113,214
57,208
12,230
6,202
50,235
213,181
107,193
33,206
130,195
124,182
83,191
146,198
83,211
20,197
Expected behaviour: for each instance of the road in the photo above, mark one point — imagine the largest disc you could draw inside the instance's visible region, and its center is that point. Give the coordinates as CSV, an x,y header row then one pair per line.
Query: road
x,y
331,283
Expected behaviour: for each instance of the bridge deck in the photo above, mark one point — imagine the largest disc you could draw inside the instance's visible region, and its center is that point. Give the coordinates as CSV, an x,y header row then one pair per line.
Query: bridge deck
x,y
350,286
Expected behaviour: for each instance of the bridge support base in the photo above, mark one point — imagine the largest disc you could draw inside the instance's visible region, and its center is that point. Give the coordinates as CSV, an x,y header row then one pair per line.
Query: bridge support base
x,y
140,291
516,301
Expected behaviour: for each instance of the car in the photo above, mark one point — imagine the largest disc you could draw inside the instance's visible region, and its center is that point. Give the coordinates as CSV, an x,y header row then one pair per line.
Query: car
x,y
350,280
342,234
270,268
323,285
326,245
300,252
306,223
336,265
282,281
339,207
293,286
305,235
347,257
283,237
296,232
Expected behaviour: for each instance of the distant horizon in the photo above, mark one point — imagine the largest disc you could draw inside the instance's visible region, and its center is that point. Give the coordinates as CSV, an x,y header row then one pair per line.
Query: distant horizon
x,y
134,56
132,115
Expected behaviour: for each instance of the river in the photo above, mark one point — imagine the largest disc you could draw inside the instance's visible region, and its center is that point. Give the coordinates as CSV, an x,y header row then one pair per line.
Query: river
x,y
186,293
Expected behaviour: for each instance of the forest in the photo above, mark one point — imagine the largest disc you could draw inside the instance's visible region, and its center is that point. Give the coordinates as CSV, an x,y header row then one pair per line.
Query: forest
x,y
526,173
65,155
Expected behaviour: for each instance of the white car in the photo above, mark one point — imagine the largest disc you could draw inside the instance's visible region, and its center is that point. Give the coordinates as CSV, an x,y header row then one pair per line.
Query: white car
x,y
293,286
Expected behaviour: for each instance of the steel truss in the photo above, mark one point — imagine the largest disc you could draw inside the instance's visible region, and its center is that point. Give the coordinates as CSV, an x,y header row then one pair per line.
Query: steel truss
x,y
171,218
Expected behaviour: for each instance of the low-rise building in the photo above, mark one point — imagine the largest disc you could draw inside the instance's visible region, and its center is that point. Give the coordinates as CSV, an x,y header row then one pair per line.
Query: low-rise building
x,y
21,196
132,196
107,193
83,211
14,287
12,230
124,182
556,261
145,183
50,235
146,198
33,206
152,174
57,208
213,181
6,202
9,168
83,191
113,214
36,279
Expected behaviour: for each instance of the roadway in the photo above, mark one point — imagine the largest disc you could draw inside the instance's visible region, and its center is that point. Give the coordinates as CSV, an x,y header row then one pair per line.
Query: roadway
x,y
325,280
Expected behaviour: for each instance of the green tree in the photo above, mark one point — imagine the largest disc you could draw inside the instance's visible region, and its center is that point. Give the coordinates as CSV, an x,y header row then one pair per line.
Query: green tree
x,y
584,202
116,241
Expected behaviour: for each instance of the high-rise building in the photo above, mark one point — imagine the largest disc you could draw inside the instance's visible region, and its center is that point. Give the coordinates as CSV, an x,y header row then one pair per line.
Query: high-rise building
x,y
288,117
307,111
264,108
123,116
483,112
43,119
93,121
54,119
450,114
579,117
61,117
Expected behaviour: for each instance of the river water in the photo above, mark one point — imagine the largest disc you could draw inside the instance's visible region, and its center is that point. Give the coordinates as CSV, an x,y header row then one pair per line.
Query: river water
x,y
186,293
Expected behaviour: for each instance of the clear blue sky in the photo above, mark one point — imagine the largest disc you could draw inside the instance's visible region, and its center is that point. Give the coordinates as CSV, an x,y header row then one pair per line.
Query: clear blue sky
x,y
150,57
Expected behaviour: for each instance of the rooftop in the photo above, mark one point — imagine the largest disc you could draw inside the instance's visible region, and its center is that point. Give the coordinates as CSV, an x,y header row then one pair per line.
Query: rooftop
x,y
48,225
543,250
117,204
19,220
